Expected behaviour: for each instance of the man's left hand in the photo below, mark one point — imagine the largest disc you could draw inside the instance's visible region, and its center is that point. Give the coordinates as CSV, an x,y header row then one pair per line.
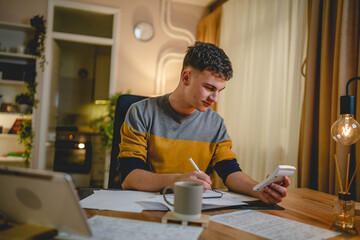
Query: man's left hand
x,y
275,192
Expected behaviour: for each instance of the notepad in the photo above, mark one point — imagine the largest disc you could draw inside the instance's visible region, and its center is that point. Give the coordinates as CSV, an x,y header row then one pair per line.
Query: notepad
x,y
211,193
206,195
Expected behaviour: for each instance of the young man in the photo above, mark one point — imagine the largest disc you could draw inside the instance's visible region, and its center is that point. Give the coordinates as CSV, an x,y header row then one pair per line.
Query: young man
x,y
160,134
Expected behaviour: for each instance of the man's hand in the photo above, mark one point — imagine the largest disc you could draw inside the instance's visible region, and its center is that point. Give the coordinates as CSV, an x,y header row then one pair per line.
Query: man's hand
x,y
144,180
275,192
196,177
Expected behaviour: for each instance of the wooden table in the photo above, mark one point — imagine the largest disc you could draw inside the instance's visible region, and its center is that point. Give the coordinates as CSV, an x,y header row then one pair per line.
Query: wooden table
x,y
301,204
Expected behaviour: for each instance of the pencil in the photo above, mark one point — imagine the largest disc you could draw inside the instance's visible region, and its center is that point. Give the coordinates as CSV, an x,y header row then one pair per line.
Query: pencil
x,y
194,164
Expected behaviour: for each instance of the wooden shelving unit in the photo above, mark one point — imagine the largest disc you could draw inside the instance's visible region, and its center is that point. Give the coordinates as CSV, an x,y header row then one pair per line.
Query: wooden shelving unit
x,y
14,66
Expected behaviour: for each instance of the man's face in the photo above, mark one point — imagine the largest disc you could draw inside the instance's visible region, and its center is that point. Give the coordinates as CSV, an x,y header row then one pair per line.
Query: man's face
x,y
202,89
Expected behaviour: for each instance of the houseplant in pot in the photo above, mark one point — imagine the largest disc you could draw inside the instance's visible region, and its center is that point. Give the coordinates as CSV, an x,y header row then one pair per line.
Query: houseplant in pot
x,y
36,47
25,102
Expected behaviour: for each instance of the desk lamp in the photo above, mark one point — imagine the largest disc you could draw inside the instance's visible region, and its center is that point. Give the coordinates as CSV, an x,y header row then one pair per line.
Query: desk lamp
x,y
346,130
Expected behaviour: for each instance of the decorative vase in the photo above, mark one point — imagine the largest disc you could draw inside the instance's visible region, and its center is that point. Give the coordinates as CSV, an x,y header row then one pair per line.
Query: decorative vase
x,y
344,211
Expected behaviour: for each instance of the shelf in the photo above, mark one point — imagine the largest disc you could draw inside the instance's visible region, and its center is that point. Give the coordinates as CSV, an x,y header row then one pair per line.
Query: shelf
x,y
6,135
11,159
15,67
12,82
17,55
82,39
19,115
16,26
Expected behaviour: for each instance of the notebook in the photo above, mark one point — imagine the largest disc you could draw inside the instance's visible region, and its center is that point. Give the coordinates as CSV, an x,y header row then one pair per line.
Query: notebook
x,y
41,197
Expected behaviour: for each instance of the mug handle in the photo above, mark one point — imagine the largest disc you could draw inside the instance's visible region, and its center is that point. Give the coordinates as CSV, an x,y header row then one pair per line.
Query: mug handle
x,y
164,192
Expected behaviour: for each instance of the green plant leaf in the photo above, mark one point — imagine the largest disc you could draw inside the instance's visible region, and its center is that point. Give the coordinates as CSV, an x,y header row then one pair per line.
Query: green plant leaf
x,y
105,123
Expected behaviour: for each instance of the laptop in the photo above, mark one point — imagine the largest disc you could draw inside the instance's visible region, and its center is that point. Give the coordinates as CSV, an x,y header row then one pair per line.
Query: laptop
x,y
41,197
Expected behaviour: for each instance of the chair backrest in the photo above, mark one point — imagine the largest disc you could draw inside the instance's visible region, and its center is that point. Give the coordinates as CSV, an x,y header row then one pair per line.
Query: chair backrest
x,y
122,105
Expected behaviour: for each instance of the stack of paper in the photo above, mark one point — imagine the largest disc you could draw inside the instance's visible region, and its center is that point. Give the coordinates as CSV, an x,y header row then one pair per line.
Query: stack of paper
x,y
137,201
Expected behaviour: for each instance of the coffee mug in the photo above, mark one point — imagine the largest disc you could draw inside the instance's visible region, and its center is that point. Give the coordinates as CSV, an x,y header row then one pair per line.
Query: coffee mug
x,y
187,200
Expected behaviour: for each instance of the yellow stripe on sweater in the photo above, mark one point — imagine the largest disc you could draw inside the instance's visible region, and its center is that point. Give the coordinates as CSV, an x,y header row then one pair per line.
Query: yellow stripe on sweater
x,y
172,155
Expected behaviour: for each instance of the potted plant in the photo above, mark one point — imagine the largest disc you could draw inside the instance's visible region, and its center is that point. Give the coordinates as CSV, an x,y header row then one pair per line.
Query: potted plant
x,y
37,44
36,47
105,123
25,102
105,126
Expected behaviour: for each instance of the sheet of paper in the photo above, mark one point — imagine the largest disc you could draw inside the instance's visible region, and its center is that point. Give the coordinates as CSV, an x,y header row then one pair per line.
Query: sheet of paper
x,y
272,227
228,199
137,201
119,228
123,200
235,197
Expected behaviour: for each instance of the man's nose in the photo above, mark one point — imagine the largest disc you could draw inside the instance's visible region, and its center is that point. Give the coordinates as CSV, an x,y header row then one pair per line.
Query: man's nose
x,y
214,96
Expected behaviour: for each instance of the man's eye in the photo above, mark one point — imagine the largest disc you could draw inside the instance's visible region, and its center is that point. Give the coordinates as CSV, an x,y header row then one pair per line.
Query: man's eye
x,y
209,88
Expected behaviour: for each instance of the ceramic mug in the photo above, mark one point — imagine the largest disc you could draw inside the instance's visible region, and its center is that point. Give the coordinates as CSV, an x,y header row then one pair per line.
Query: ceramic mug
x,y
187,200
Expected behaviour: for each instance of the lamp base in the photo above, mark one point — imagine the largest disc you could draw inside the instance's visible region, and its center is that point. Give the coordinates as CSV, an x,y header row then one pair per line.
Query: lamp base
x,y
352,231
344,213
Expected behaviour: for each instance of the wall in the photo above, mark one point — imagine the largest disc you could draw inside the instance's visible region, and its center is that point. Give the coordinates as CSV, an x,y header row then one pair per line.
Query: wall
x,y
137,61
20,11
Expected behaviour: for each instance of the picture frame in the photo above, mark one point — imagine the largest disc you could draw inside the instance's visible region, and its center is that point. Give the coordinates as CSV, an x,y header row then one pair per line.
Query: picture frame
x,y
16,126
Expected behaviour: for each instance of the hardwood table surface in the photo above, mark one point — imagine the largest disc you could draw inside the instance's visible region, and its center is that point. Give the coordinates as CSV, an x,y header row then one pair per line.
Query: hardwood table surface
x,y
301,204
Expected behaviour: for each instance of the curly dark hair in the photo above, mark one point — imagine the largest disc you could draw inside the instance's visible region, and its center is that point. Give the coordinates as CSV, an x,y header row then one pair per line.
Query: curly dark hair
x,y
206,56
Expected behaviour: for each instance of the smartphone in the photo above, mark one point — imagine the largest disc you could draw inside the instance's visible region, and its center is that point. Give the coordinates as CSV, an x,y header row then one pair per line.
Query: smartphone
x,y
276,176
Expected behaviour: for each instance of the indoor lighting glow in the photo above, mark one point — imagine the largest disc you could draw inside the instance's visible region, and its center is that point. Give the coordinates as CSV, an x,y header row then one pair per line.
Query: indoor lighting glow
x,y
346,130
81,145
101,102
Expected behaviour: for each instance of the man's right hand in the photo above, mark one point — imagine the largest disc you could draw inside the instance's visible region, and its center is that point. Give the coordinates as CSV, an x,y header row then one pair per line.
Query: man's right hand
x,y
144,180
196,177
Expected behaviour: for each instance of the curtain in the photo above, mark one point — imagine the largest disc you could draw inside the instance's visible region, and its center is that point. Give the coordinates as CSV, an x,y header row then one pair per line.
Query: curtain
x,y
261,105
332,59
208,30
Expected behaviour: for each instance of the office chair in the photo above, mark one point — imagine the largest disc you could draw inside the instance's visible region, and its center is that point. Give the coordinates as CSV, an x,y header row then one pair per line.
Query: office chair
x,y
122,105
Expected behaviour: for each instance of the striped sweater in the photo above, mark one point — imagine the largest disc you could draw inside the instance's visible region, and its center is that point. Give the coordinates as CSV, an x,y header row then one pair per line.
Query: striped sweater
x,y
156,138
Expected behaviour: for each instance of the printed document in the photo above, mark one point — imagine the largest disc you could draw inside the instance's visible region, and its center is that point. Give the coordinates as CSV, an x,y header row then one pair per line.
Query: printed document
x,y
272,227
119,228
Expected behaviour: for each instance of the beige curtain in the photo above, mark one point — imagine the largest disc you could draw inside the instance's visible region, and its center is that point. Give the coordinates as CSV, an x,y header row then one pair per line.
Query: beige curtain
x,y
261,105
208,30
332,59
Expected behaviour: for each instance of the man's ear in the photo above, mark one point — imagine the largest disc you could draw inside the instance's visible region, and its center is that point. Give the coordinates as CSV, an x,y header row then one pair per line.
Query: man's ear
x,y
185,77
